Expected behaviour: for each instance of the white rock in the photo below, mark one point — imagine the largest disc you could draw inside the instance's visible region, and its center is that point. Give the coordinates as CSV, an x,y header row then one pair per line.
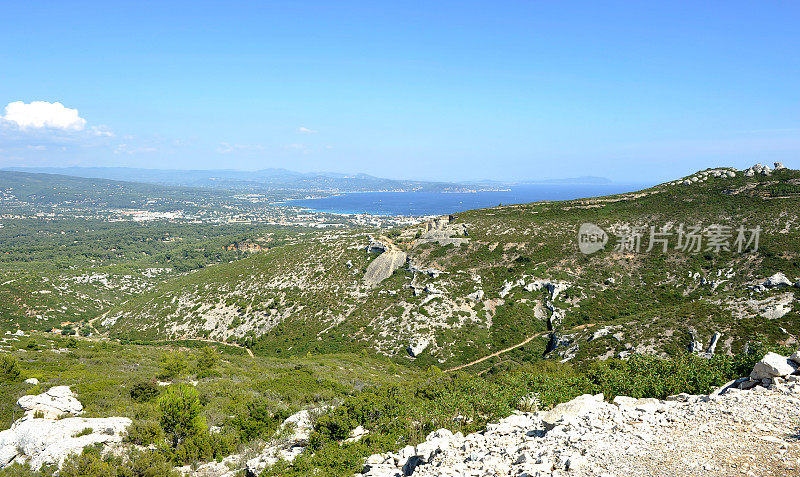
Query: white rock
x,y
47,441
417,346
301,425
773,365
56,401
777,280
33,381
477,295
578,407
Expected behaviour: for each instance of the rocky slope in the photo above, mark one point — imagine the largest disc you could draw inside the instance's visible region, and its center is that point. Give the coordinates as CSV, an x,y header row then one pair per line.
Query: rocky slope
x,y
458,288
733,431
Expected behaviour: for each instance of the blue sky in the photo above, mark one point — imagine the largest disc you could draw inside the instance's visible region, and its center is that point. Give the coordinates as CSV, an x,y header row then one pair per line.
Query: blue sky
x,y
633,91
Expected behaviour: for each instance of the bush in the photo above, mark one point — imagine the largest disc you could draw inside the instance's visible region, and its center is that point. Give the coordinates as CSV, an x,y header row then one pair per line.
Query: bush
x,y
139,463
258,421
172,365
144,433
207,359
9,369
85,432
88,463
144,391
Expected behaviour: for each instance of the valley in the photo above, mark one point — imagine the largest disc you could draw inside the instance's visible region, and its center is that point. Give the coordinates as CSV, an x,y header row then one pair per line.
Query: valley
x,y
439,322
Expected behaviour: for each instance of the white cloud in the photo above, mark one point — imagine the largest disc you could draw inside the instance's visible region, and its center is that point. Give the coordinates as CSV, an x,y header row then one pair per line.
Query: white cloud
x,y
306,130
41,114
102,131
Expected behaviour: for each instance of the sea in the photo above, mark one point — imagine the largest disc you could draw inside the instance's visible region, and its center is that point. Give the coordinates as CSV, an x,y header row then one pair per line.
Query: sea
x,y
436,203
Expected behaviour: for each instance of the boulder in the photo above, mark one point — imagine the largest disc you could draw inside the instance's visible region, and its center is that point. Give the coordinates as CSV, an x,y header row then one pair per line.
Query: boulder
x,y
757,169
777,280
779,166
32,381
578,407
356,434
773,365
376,246
300,426
795,357
712,346
57,401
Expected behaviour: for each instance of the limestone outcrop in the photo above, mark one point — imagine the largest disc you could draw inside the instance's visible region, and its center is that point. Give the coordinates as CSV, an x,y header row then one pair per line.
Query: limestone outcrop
x,y
298,428
383,266
47,440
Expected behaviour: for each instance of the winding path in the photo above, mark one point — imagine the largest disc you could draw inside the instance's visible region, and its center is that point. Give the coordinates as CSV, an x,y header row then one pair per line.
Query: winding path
x,y
497,353
506,350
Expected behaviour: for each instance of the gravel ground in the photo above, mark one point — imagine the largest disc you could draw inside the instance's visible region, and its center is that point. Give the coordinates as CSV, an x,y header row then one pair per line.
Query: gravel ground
x,y
752,432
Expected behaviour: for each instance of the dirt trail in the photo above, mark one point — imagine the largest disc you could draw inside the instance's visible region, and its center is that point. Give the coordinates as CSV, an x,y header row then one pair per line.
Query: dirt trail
x,y
497,353
506,350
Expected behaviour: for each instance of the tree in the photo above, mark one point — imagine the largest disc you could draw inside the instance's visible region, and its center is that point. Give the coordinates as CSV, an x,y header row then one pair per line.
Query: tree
x,y
182,414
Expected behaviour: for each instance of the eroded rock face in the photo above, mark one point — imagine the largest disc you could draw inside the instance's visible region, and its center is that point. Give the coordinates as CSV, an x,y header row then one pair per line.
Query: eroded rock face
x,y
417,346
777,280
383,266
444,231
758,169
48,440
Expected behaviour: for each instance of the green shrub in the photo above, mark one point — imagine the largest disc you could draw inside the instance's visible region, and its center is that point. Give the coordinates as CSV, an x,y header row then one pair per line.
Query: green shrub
x,y
144,433
9,369
260,420
88,463
207,358
139,463
144,391
172,365
85,432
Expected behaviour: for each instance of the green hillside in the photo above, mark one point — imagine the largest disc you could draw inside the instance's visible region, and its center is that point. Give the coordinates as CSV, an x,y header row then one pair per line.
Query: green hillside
x,y
492,288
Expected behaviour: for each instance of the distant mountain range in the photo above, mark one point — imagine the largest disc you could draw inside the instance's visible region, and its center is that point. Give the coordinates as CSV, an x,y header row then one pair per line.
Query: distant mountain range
x,y
272,179
284,179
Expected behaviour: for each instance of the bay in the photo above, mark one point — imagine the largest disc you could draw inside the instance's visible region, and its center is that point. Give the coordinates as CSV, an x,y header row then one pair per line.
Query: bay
x,y
436,203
